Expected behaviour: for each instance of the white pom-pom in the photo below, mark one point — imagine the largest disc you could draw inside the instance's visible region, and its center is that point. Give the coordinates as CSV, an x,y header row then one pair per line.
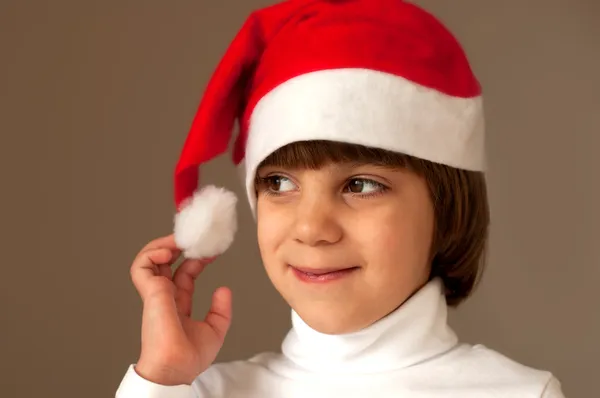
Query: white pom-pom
x,y
207,223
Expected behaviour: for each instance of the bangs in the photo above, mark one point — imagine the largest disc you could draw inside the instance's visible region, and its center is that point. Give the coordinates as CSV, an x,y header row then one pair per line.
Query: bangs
x,y
316,154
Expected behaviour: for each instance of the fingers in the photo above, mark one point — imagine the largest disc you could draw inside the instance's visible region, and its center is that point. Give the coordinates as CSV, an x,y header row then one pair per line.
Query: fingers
x,y
167,242
166,271
151,272
219,315
151,264
184,278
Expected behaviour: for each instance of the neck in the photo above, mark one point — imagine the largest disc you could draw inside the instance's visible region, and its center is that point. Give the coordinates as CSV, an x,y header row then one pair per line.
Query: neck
x,y
415,332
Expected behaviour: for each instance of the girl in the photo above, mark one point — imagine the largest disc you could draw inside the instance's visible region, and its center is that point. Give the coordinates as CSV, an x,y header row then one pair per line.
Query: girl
x,y
361,148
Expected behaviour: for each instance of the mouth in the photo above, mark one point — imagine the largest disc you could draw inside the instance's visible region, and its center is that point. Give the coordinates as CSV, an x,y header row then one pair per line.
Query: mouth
x,y
321,275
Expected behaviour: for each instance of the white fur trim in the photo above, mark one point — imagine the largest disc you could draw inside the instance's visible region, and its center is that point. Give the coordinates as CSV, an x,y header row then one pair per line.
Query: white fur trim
x,y
206,225
371,108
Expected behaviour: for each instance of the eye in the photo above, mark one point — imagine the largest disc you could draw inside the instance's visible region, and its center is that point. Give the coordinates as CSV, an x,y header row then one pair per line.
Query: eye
x,y
279,184
364,186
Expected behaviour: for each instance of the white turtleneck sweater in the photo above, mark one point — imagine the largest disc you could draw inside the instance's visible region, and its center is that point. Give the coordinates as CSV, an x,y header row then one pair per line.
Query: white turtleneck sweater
x,y
410,353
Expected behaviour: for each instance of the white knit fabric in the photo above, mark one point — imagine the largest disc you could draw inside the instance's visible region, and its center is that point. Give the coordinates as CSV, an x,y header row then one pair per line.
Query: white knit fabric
x,y
367,107
411,353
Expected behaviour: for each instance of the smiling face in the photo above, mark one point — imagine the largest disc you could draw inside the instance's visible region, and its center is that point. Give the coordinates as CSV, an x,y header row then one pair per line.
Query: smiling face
x,y
344,241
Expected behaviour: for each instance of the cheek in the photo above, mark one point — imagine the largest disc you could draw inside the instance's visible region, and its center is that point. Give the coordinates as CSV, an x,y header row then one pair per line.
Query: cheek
x,y
400,237
271,227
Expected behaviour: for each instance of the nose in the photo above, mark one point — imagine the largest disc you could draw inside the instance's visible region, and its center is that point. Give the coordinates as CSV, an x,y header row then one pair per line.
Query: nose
x,y
316,221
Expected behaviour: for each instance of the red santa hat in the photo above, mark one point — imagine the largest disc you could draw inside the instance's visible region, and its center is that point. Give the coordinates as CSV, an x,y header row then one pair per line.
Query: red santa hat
x,y
380,73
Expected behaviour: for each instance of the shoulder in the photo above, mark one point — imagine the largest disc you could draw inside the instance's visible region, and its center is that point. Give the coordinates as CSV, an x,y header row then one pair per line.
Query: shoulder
x,y
497,370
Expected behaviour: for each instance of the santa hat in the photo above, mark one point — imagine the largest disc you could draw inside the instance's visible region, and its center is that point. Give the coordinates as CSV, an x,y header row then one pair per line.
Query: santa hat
x,y
379,73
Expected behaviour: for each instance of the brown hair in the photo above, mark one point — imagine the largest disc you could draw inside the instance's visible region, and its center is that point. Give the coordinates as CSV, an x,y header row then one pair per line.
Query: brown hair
x,y
460,204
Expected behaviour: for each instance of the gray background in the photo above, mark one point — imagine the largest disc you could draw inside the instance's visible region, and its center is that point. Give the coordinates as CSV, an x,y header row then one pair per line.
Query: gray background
x,y
96,99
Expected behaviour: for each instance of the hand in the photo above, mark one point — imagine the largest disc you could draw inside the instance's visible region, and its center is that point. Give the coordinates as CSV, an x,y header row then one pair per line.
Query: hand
x,y
175,348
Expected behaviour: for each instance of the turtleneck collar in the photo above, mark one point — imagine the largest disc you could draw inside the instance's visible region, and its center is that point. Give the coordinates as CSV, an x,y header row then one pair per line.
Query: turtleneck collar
x,y
413,333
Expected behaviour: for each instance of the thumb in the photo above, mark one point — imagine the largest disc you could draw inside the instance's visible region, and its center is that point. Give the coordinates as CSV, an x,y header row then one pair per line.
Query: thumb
x,y
219,315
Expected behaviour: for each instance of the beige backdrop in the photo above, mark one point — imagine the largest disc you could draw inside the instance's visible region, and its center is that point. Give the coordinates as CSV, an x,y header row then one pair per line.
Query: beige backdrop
x,y
96,98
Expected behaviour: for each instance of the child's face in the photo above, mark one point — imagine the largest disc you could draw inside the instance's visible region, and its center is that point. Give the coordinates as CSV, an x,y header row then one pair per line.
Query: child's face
x,y
379,221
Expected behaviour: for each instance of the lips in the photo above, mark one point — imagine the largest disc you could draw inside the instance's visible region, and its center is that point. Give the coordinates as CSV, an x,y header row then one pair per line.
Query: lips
x,y
319,275
320,271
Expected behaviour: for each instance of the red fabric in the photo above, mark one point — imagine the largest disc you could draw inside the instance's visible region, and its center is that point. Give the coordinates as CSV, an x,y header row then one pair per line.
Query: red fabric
x,y
299,36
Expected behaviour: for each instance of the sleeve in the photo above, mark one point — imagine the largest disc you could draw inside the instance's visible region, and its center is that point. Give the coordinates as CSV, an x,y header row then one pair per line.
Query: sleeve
x,y
134,386
553,389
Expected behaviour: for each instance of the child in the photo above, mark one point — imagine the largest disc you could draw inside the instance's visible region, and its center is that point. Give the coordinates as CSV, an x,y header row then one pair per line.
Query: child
x,y
361,147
